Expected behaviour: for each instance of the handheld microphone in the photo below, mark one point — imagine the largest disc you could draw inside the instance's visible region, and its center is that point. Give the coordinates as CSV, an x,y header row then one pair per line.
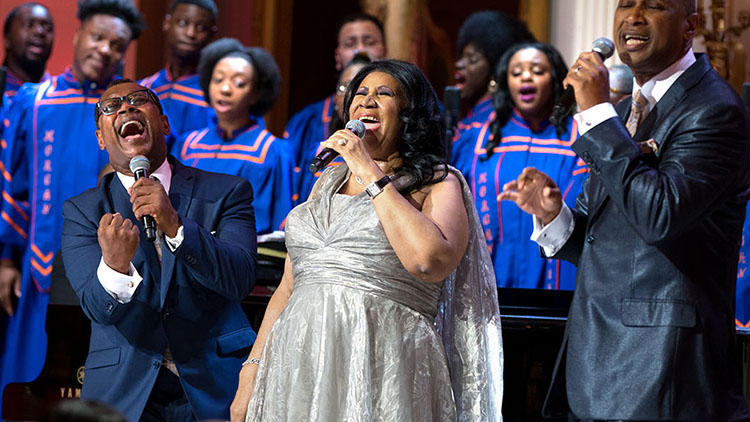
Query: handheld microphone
x,y
139,165
452,102
602,46
327,155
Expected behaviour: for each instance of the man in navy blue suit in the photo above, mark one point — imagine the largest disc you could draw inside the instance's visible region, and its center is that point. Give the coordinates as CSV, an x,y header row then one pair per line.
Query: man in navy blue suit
x,y
168,335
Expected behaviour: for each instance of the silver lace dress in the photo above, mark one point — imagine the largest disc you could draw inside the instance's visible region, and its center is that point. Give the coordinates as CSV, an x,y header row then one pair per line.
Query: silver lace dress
x,y
361,339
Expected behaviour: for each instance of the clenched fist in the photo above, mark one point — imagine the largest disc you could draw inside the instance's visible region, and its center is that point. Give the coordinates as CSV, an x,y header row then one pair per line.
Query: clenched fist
x,y
118,239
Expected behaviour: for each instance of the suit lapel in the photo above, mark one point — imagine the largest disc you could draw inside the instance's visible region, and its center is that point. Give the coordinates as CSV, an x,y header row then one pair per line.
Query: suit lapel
x,y
146,252
660,121
656,124
180,194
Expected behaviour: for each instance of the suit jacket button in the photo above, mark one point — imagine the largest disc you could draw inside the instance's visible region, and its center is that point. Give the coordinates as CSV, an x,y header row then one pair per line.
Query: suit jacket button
x,y
590,239
109,306
156,364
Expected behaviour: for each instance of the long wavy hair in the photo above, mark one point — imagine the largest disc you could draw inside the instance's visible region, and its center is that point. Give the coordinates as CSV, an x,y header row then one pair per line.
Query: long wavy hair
x,y
423,147
502,100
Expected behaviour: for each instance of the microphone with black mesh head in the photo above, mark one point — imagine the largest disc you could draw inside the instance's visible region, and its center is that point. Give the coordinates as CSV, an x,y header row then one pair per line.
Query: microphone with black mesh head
x,y
139,165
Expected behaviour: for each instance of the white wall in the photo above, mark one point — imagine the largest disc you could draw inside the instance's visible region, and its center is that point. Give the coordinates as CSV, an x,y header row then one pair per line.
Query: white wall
x,y
575,24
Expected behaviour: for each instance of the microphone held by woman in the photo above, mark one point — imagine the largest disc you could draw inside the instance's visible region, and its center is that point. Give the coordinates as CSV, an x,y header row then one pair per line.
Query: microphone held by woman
x,y
328,154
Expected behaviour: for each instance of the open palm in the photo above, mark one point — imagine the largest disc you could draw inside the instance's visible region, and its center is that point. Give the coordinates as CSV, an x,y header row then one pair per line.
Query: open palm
x,y
535,193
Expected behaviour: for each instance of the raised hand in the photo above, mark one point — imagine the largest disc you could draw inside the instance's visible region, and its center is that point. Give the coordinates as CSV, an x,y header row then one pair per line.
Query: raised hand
x,y
118,239
149,198
535,193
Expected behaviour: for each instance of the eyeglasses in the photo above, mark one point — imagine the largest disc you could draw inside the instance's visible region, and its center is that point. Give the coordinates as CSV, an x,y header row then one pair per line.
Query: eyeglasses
x,y
135,98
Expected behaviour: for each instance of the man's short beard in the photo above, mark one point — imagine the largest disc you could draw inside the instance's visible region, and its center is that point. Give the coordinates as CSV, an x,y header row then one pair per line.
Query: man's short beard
x,y
31,66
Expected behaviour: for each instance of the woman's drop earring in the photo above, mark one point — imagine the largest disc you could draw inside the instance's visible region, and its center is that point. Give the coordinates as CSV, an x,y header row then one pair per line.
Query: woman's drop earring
x,y
492,86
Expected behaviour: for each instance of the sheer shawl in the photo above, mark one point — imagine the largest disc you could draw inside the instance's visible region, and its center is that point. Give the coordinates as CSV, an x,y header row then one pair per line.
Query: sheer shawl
x,y
468,321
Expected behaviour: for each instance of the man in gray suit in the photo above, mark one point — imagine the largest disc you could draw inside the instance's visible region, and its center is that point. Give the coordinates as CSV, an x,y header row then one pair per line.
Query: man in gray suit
x,y
655,233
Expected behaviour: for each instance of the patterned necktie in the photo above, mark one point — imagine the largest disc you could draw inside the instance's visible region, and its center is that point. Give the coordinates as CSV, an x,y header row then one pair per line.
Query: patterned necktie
x,y
167,360
637,107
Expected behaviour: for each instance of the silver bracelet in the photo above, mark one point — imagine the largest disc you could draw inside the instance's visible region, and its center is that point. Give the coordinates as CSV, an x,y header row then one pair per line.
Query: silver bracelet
x,y
254,361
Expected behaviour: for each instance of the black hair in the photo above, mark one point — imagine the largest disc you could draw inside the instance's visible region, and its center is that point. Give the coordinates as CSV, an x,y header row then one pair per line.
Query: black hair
x,y
336,121
203,4
492,33
360,58
13,13
267,74
502,100
359,17
423,147
123,9
152,94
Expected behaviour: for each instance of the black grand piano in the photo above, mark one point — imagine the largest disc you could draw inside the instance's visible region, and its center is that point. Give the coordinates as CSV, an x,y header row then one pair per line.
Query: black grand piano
x,y
533,324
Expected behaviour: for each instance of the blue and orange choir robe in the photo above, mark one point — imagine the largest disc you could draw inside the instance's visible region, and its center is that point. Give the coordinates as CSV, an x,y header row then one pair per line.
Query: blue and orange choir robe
x,y
253,153
182,100
304,132
13,84
507,228
742,303
474,119
51,154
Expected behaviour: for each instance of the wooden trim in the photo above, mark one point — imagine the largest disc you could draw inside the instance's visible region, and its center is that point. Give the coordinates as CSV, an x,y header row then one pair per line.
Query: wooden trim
x,y
536,15
275,20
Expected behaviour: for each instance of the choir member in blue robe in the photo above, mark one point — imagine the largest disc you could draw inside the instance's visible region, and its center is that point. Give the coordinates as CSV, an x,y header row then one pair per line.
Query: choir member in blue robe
x,y
28,32
482,39
239,83
188,27
519,135
50,156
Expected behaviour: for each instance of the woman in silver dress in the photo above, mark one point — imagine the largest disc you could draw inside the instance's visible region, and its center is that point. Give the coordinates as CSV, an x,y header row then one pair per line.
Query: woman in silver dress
x,y
387,309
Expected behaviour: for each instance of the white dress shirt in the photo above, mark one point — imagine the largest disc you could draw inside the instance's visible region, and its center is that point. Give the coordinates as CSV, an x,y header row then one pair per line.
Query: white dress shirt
x,y
122,286
554,235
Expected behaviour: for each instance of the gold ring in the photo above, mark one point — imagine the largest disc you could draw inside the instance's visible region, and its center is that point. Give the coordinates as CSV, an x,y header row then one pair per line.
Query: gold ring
x,y
342,141
577,69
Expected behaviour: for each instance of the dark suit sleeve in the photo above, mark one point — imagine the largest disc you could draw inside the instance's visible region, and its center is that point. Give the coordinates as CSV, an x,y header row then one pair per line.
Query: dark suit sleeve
x,y
225,262
81,255
699,168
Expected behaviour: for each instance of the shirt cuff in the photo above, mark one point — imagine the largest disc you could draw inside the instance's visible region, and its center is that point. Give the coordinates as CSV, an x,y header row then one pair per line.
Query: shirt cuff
x,y
592,116
120,286
176,241
553,236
